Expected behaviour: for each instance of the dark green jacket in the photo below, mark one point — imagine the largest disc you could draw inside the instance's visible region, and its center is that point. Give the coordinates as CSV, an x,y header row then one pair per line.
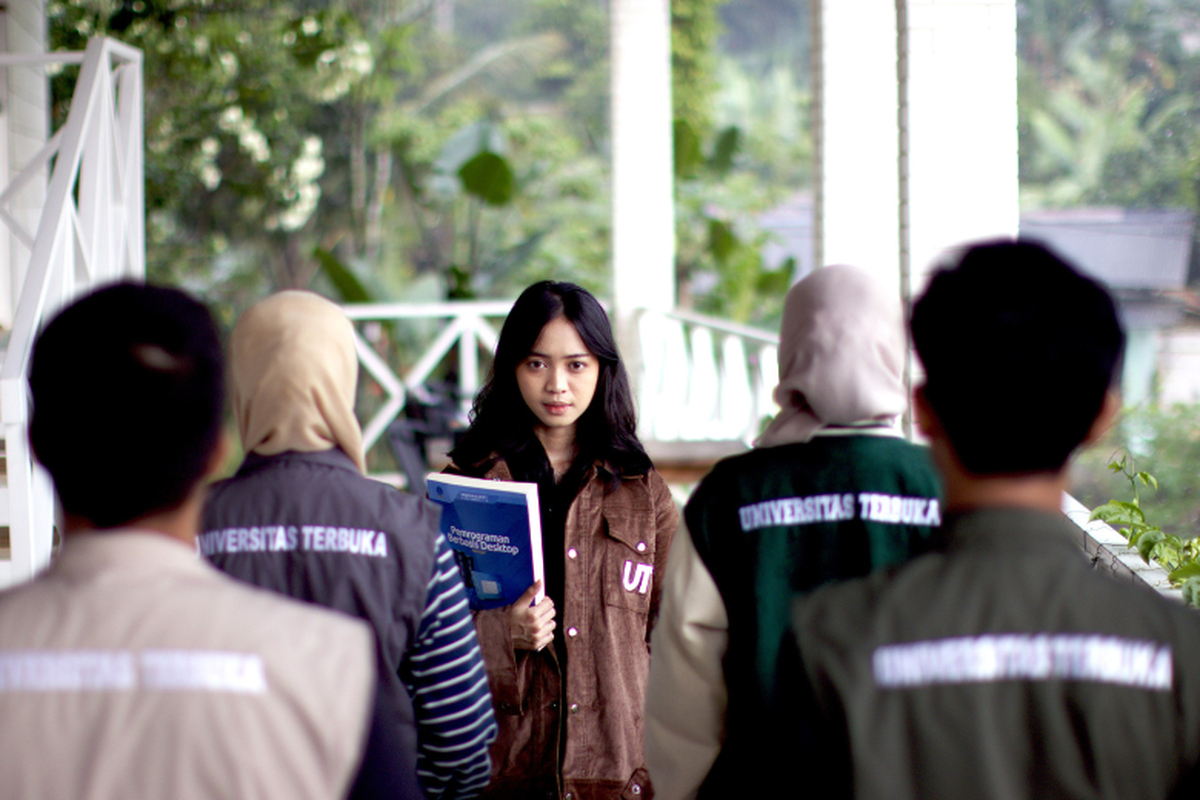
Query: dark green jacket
x,y
1002,667
786,519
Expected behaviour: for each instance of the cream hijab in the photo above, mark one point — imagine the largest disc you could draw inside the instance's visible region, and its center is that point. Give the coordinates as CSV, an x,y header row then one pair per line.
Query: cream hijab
x,y
295,375
841,356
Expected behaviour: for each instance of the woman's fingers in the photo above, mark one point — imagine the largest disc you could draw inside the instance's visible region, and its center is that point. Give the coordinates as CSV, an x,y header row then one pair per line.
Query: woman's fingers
x,y
532,626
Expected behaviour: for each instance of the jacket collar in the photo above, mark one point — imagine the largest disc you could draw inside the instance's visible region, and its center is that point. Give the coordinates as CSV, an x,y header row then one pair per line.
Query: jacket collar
x,y
499,470
329,458
1009,529
91,555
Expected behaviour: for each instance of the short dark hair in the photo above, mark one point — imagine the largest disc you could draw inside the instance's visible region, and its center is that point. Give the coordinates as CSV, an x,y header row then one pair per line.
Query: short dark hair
x,y
128,399
501,422
1019,349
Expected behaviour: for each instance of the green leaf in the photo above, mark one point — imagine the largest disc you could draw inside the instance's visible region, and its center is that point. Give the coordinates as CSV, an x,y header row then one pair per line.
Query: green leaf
x,y
1184,572
777,281
1119,512
1191,592
721,240
688,157
345,282
490,178
727,146
1146,542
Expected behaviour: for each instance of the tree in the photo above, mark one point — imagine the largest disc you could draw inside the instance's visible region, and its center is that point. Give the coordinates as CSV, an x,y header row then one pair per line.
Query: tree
x,y
741,145
284,135
1107,103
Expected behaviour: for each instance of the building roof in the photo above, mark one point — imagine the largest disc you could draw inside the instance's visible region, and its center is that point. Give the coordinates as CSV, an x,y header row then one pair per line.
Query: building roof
x,y
1128,249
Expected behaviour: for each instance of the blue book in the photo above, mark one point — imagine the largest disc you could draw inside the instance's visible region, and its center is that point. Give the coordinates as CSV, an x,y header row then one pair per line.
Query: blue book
x,y
495,530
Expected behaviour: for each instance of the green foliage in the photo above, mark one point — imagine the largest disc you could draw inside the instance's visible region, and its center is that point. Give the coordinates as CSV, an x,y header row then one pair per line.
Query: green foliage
x,y
334,144
1107,104
303,142
1179,556
695,27
719,263
750,153
349,287
1166,443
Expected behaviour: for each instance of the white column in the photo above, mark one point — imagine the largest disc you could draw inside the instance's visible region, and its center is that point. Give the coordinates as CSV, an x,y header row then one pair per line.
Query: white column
x,y
961,133
643,177
857,133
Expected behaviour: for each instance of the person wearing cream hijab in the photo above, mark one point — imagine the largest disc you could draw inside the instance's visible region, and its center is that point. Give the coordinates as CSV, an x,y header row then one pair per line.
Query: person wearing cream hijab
x,y
295,374
301,518
831,491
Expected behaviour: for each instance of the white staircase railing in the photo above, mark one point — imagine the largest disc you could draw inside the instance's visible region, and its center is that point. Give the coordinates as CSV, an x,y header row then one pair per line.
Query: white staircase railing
x,y
701,378
91,232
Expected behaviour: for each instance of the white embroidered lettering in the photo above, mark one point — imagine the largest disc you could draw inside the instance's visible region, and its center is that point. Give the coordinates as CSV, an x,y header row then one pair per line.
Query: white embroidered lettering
x,y
637,579
122,670
1031,657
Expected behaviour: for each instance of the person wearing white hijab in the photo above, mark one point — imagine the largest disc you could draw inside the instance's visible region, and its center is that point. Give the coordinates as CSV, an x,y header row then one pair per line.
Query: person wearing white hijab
x,y
831,491
301,517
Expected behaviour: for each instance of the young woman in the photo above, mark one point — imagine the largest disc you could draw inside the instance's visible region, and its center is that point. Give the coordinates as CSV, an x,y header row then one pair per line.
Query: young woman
x,y
568,675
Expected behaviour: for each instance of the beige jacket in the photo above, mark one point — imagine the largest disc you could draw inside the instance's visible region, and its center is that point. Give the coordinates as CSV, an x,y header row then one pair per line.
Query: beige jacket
x,y
616,551
132,669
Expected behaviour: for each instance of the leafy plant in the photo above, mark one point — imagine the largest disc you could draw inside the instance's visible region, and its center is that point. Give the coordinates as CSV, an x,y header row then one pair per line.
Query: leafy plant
x,y
1180,557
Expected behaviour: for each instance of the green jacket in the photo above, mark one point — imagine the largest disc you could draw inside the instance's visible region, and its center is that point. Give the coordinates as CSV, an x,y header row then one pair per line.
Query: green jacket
x,y
780,520
1002,667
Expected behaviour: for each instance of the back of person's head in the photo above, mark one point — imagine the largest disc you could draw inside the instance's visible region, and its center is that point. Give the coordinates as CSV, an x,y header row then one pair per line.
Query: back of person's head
x,y
500,418
128,392
1019,350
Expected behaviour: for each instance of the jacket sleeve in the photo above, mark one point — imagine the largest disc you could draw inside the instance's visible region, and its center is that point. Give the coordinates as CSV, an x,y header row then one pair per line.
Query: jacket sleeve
x,y
666,522
455,719
686,694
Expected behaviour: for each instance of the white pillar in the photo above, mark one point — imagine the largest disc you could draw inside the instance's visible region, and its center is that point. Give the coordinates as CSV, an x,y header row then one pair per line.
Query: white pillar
x,y
960,57
643,176
857,136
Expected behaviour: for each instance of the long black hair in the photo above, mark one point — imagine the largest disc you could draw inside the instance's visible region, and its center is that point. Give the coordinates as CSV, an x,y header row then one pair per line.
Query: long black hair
x,y
502,425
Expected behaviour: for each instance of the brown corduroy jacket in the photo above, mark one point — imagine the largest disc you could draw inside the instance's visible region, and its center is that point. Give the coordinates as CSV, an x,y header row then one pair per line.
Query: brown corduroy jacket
x,y
615,553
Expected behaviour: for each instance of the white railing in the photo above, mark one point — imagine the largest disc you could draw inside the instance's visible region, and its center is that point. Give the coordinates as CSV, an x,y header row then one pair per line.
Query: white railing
x,y
91,232
466,325
701,378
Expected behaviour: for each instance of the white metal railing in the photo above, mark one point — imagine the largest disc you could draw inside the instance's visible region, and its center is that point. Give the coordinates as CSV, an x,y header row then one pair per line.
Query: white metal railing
x,y
704,378
700,379
467,326
91,231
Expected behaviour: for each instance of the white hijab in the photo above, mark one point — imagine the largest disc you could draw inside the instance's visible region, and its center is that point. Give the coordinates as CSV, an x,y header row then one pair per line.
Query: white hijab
x,y
841,356
295,377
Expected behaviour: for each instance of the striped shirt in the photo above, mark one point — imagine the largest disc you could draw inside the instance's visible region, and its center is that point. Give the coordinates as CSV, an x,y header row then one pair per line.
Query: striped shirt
x,y
449,688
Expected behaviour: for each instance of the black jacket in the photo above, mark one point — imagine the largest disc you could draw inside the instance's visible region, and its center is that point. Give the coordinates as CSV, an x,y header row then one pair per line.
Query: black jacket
x,y
311,526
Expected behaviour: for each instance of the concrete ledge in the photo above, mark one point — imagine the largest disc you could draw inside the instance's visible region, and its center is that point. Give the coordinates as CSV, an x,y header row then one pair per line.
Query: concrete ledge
x,y
1110,552
686,462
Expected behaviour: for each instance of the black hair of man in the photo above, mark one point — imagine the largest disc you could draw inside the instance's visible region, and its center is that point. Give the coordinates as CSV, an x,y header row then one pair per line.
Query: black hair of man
x,y
128,399
1019,350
